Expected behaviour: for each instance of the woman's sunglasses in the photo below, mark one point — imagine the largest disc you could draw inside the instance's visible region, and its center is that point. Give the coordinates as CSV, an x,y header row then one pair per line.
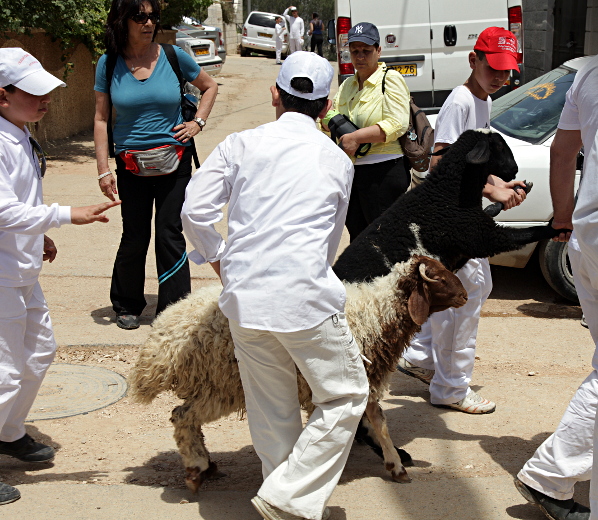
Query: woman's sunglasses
x,y
142,18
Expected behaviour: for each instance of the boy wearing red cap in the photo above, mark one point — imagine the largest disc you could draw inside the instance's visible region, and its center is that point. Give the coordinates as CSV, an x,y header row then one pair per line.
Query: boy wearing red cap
x,y
443,353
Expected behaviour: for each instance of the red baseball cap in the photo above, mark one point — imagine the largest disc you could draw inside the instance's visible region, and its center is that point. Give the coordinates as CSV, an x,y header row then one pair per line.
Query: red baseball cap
x,y
500,48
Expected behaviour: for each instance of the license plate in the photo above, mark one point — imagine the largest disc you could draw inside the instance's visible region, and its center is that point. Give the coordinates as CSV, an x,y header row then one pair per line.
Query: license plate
x,y
201,52
264,35
409,69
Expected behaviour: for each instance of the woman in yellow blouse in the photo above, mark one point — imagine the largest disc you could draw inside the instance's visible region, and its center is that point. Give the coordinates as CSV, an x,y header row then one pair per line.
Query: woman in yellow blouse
x,y
381,175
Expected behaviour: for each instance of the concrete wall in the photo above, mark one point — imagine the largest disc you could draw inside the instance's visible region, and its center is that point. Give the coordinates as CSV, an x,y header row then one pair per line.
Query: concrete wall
x,y
538,33
591,41
72,108
232,38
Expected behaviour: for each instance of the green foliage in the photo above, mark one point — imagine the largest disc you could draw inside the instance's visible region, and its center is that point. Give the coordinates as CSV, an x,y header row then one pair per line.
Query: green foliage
x,y
174,10
71,21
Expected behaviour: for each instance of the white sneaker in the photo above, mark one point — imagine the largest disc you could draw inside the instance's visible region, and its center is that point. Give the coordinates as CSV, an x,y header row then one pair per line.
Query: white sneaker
x,y
423,374
270,512
473,403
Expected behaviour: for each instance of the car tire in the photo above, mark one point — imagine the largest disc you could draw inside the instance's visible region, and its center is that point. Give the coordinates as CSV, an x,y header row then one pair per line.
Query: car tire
x,y
556,268
244,51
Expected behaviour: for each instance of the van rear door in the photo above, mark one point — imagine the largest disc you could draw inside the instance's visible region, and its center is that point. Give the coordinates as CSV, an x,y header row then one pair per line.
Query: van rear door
x,y
453,38
405,39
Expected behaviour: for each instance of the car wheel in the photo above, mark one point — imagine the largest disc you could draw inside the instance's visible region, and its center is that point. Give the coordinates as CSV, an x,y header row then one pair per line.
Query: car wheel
x,y
244,51
556,268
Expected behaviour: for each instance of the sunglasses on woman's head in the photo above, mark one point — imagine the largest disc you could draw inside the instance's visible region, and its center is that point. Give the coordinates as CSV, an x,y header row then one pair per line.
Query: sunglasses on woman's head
x,y
142,18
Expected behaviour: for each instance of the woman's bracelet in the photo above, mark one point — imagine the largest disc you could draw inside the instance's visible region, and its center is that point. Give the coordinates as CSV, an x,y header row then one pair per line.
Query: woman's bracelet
x,y
104,175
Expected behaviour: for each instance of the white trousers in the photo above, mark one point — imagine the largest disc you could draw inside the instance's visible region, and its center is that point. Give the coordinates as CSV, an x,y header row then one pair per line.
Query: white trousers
x,y
294,45
301,466
27,348
566,457
447,340
278,51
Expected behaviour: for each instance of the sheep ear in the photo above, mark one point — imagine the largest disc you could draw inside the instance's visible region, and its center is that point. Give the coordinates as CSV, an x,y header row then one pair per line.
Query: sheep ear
x,y
480,153
419,304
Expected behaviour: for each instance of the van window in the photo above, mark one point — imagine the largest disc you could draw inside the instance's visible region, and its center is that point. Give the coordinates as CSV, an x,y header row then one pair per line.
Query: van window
x,y
264,20
532,112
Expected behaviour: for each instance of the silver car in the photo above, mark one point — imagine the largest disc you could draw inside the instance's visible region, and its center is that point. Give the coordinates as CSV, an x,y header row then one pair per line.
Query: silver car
x,y
201,50
206,32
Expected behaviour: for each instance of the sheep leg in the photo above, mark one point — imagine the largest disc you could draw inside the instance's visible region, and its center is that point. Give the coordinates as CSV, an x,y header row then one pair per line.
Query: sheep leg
x,y
365,435
190,441
392,461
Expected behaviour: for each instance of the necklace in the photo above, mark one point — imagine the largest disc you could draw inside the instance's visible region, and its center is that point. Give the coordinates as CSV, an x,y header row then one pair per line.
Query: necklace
x,y
133,68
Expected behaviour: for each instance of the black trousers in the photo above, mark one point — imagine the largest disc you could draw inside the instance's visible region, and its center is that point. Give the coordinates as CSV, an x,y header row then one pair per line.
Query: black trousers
x,y
375,188
138,196
317,39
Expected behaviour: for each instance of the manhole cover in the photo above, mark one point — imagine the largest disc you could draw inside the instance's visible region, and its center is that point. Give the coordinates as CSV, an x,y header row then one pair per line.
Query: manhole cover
x,y
70,390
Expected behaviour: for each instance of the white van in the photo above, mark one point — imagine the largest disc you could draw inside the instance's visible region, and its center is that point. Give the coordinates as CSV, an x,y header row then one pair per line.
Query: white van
x,y
428,41
259,34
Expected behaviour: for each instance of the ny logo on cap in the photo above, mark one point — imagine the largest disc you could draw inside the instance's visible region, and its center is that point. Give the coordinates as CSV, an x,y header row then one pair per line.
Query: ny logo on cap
x,y
358,29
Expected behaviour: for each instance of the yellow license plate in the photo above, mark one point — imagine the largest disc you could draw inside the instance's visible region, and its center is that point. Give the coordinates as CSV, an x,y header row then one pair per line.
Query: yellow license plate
x,y
409,69
264,35
201,52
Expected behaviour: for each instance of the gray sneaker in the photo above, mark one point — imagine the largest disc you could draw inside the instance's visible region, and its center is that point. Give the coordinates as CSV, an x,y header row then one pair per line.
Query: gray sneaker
x,y
270,512
551,507
423,374
8,494
473,403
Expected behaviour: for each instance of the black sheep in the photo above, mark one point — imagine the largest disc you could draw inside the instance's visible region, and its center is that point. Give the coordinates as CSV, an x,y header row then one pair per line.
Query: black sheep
x,y
443,217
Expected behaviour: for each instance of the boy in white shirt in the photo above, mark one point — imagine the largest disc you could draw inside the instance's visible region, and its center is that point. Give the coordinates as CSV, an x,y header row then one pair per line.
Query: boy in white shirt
x,y
27,345
284,303
280,29
443,353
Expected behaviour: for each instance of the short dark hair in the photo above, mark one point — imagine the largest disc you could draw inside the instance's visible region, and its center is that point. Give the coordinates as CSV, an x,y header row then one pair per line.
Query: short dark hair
x,y
117,30
10,88
480,54
315,15
311,108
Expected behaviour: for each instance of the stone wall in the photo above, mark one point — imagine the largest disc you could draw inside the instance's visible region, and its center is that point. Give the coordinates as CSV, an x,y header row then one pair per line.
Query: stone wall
x,y
232,37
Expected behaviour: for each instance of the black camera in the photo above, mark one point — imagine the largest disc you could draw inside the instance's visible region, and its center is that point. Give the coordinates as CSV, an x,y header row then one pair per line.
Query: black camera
x,y
341,125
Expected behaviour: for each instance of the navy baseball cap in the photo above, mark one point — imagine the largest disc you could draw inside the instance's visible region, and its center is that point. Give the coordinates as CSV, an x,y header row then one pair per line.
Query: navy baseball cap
x,y
364,32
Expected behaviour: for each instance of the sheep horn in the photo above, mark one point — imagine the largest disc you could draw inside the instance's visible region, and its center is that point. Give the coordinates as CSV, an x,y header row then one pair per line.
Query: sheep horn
x,y
422,271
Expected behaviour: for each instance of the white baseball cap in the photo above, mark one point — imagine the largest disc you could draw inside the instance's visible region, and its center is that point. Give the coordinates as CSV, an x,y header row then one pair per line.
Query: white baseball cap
x,y
22,70
303,64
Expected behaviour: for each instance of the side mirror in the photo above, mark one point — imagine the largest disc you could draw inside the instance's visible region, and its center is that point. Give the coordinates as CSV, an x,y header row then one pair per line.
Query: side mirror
x,y
331,32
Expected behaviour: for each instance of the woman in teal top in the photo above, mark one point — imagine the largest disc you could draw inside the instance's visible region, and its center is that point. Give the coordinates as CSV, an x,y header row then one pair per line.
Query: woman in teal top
x,y
146,95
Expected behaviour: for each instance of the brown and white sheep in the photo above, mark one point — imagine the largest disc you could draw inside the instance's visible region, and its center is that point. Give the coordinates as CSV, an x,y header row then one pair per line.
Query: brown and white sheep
x,y
190,352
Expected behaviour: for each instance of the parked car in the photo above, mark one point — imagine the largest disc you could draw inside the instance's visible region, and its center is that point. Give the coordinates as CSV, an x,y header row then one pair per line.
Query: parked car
x,y
201,50
198,30
259,34
527,118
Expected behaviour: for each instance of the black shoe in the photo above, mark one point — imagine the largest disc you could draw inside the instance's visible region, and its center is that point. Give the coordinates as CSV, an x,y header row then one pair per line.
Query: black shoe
x,y
27,450
128,321
551,507
8,494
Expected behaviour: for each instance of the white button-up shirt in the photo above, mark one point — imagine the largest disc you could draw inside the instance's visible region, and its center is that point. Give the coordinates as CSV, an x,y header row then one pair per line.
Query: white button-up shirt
x,y
296,25
23,216
287,186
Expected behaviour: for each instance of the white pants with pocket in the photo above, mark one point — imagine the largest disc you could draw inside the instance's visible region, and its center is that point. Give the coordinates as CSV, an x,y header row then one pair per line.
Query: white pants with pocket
x,y
301,466
294,45
566,457
27,348
447,340
278,51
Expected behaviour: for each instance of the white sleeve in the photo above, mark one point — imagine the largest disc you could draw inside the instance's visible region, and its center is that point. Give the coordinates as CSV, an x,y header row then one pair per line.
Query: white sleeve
x,y
451,123
206,194
24,219
287,15
302,30
570,115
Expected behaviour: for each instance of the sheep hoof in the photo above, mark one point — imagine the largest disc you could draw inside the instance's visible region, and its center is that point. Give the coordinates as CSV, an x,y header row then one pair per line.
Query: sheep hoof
x,y
406,459
401,477
195,477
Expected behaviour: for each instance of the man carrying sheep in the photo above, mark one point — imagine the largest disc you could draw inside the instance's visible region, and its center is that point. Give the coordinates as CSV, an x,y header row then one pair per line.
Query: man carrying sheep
x,y
569,455
283,301
443,353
